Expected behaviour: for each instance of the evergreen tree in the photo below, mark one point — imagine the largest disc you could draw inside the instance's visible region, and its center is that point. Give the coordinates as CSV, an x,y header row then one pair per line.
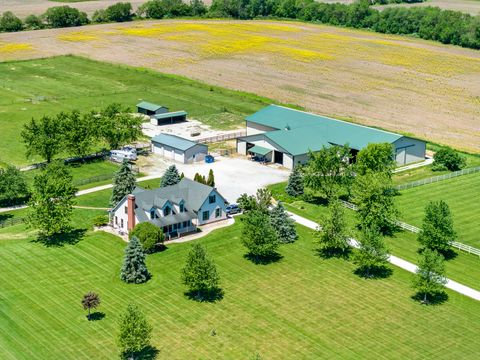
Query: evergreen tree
x,y
124,183
430,275
170,177
211,179
51,203
295,183
437,230
200,274
283,224
333,237
182,175
134,269
135,332
371,256
259,237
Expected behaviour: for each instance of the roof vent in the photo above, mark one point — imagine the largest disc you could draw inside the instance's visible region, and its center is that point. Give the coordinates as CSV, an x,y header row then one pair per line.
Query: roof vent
x,y
287,127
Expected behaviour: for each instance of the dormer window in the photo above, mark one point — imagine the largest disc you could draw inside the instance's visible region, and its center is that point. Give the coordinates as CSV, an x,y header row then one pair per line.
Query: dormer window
x,y
182,208
166,211
152,214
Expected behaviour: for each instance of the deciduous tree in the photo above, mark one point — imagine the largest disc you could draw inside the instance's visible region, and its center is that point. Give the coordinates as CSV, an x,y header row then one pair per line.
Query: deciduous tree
x,y
90,301
124,183
376,157
117,126
135,332
333,238
79,132
448,159
10,23
259,237
283,224
51,203
371,256
430,280
149,236
437,231
200,273
43,137
13,187
134,269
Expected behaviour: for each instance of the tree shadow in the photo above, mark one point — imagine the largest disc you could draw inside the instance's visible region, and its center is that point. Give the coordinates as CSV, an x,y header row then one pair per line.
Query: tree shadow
x,y
147,353
264,260
57,240
329,253
4,217
375,272
433,299
212,295
95,316
449,254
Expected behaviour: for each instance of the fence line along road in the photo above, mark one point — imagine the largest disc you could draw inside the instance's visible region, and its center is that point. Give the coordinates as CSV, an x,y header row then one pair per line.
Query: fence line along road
x,y
438,178
416,230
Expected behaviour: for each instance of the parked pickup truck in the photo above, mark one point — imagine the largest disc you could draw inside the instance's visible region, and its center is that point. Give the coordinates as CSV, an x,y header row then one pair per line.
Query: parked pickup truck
x,y
233,209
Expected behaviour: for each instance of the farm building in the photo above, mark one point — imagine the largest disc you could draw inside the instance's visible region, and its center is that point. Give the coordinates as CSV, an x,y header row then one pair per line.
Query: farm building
x,y
276,134
168,118
151,109
178,149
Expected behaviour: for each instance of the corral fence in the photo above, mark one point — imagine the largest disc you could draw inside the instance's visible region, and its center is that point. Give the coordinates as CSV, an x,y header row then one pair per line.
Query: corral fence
x,y
11,222
416,230
102,177
221,137
438,178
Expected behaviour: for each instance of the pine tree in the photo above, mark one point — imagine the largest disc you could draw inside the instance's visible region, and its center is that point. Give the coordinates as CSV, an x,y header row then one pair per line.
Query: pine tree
x,y
170,177
123,183
437,230
182,175
200,273
211,179
295,183
135,332
134,269
372,254
283,224
333,237
259,237
430,275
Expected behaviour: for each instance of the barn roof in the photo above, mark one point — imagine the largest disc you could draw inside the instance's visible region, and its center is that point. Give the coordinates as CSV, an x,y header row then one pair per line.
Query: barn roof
x,y
174,141
149,106
170,114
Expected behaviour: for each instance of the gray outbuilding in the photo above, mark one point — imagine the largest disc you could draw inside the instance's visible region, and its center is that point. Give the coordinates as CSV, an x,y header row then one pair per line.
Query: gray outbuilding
x,y
178,149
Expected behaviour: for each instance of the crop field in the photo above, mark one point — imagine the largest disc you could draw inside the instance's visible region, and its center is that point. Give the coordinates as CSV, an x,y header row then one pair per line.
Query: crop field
x,y
462,194
397,83
47,86
468,6
299,307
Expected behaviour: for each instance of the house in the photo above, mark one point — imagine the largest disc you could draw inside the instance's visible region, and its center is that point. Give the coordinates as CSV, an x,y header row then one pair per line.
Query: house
x,y
178,149
285,136
151,109
177,209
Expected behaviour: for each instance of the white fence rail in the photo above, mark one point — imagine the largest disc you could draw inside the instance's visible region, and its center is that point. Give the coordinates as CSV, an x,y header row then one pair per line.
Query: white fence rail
x,y
438,178
222,137
416,230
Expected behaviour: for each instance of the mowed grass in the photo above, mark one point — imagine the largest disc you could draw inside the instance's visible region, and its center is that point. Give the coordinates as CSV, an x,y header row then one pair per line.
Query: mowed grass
x,y
47,86
299,307
462,194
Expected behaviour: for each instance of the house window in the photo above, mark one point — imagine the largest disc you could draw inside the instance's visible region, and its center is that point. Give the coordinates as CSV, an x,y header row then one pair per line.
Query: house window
x,y
218,212
121,223
152,214
212,199
185,224
182,208
206,215
174,227
126,210
166,211
116,220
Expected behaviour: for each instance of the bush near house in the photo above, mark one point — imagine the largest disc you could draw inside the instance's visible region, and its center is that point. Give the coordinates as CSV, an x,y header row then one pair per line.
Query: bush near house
x,y
149,235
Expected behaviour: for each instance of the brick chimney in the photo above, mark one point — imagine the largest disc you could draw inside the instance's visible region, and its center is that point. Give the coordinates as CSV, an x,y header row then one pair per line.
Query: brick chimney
x,y
130,212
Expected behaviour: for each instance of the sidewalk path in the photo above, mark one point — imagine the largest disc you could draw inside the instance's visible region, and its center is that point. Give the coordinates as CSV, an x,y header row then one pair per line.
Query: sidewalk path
x,y
452,285
427,161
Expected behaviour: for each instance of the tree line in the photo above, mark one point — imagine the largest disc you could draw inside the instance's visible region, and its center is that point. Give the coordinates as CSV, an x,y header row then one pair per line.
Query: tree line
x,y
430,23
76,134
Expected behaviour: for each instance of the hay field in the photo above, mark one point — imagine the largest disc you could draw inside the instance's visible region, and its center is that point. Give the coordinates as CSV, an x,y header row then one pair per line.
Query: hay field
x,y
398,83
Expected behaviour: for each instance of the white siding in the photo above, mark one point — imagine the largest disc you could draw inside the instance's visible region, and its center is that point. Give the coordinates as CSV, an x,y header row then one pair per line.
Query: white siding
x,y
409,150
120,214
218,204
242,147
288,161
253,128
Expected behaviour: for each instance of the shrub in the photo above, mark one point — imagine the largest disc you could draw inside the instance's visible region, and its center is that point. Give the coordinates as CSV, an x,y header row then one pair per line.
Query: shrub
x,y
149,236
119,12
65,16
447,158
34,22
9,22
99,16
100,220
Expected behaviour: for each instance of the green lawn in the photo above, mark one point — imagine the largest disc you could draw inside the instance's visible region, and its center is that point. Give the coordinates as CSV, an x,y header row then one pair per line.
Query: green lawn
x,y
464,268
462,194
299,307
47,86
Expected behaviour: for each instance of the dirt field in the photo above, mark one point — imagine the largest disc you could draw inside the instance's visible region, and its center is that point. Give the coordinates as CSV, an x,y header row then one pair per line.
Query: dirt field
x,y
397,83
468,6
23,8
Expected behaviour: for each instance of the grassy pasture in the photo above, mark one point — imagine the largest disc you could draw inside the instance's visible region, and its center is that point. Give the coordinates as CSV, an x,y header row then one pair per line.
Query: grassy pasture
x,y
48,86
299,307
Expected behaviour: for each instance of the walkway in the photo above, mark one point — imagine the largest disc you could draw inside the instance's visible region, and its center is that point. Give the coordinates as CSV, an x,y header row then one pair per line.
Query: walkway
x,y
452,285
426,162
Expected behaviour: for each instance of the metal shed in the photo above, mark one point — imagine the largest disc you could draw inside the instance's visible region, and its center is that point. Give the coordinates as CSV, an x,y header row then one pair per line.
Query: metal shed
x,y
169,118
178,149
151,109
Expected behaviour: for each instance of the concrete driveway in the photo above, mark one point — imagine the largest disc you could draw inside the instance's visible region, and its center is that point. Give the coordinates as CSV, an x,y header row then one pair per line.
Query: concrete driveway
x,y
233,175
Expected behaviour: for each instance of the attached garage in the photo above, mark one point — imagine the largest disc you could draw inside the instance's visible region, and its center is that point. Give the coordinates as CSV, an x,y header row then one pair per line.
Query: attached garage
x,y
178,149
